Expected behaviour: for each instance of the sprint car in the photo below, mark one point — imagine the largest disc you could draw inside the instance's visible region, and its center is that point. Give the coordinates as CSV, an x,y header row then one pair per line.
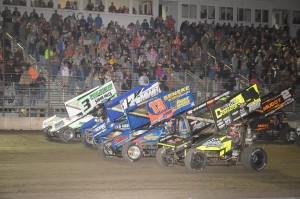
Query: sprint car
x,y
78,109
145,128
218,135
270,122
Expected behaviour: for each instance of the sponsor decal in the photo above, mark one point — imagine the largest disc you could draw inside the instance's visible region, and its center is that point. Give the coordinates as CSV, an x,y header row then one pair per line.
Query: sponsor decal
x,y
122,126
182,102
227,108
151,137
176,93
100,128
141,96
101,91
59,124
199,125
119,139
214,142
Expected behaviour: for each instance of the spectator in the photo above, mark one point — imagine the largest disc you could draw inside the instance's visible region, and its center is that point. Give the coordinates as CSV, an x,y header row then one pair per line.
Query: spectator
x,y
7,17
98,21
16,15
101,7
50,4
33,15
34,92
23,85
145,24
41,81
112,7
54,18
90,6
144,79
65,73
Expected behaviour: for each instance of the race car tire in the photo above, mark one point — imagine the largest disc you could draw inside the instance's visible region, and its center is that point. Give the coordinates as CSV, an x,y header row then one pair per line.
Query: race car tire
x,y
46,132
195,160
66,134
86,141
162,159
132,152
288,135
297,139
104,151
254,158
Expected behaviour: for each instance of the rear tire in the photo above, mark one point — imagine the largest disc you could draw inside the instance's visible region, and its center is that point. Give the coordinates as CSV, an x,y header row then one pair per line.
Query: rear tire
x,y
254,158
162,157
195,160
288,135
132,152
66,134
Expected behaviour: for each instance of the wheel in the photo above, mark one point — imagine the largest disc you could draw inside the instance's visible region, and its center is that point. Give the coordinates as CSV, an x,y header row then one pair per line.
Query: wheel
x,y
254,158
162,157
132,152
66,134
46,132
104,150
288,135
87,140
195,160
297,138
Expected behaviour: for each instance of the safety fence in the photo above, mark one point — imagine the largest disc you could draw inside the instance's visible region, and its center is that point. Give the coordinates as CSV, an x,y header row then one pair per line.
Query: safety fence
x,y
43,101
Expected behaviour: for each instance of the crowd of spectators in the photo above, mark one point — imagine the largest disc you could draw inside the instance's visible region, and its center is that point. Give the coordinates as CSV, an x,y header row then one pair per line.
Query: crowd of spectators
x,y
85,53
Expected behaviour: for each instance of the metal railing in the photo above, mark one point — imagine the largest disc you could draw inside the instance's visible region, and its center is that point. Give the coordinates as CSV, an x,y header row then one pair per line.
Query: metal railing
x,y
26,101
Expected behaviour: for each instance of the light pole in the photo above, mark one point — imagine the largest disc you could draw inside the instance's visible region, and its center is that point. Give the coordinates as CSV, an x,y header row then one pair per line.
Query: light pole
x,y
49,72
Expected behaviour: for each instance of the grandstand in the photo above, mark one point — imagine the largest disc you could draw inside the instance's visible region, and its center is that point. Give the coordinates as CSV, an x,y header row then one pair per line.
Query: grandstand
x,y
267,14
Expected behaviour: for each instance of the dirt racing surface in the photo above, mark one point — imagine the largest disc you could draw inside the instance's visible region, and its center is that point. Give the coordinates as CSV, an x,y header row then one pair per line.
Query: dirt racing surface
x,y
33,167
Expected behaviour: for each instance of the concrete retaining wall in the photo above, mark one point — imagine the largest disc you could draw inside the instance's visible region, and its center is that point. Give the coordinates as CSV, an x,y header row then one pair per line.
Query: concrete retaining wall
x,y
35,123
21,123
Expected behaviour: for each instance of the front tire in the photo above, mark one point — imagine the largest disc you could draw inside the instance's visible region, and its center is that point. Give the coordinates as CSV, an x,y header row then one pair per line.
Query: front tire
x,y
86,140
297,138
46,132
104,150
288,135
162,157
254,158
132,152
66,134
195,160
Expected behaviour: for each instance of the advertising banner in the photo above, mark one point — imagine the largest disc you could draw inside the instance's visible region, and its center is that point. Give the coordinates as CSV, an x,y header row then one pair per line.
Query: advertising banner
x,y
236,107
88,102
277,101
166,105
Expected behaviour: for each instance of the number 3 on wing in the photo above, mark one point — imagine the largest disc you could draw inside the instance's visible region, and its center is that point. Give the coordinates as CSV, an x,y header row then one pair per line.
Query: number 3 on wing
x,y
157,106
86,103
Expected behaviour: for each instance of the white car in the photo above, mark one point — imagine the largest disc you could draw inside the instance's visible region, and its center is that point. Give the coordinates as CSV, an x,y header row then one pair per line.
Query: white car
x,y
78,109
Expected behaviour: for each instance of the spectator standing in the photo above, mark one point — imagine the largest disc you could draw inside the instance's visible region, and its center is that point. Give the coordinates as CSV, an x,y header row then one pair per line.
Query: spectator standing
x,y
144,79
41,81
65,73
7,17
16,15
23,86
54,18
33,15
98,21
34,92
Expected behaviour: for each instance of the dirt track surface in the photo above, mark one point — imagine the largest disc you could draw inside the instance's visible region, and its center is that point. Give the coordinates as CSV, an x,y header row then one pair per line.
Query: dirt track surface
x,y
33,167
